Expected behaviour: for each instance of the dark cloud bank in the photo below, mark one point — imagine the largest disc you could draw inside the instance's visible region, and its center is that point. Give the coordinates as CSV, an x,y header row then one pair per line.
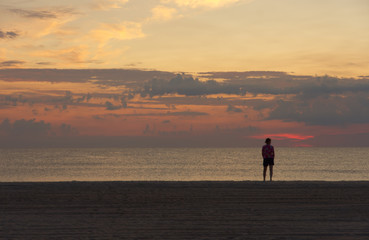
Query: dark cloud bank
x,y
109,77
32,133
189,86
33,128
313,100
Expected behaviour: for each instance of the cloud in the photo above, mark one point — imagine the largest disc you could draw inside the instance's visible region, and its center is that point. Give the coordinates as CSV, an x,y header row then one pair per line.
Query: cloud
x,y
186,113
233,109
105,5
41,22
324,110
187,86
163,13
110,106
282,136
67,130
131,78
43,14
121,31
202,3
242,75
25,128
50,100
314,100
72,55
177,114
34,13
33,129
8,34
282,83
147,130
44,63
12,63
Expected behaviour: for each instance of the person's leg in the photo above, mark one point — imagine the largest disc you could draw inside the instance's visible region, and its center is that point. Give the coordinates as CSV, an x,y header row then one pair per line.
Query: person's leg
x,y
264,173
271,172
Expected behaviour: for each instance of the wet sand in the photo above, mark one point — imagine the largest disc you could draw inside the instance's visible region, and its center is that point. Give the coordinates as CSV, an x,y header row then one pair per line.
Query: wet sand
x,y
184,210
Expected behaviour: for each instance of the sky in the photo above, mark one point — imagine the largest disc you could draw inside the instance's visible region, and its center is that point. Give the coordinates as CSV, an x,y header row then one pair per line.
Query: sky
x,y
184,73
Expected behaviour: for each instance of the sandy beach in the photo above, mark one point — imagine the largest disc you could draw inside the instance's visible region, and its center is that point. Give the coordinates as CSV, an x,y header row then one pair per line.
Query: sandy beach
x,y
184,210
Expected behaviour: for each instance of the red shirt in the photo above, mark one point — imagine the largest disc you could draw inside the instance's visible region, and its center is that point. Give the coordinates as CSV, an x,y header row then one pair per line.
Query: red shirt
x,y
268,151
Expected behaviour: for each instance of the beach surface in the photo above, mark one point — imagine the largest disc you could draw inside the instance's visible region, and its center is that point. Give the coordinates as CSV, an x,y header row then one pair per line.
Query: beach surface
x,y
184,210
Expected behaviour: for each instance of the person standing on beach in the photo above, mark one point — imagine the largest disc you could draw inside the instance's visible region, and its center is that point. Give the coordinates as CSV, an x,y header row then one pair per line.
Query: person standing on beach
x,y
268,156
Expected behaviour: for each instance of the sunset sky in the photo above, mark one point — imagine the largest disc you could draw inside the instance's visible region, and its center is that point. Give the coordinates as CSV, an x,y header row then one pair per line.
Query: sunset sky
x,y
142,73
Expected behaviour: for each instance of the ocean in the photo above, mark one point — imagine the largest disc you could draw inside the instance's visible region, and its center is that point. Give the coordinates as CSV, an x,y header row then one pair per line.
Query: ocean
x,y
181,164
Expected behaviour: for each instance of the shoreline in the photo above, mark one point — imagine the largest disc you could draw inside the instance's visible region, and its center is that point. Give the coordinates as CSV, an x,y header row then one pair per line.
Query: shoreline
x,y
185,210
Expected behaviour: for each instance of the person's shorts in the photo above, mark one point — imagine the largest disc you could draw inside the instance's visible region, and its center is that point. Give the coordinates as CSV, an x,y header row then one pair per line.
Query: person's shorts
x,y
268,161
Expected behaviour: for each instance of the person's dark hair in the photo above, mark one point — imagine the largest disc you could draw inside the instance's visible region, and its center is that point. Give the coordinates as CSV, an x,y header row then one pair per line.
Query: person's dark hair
x,y
268,140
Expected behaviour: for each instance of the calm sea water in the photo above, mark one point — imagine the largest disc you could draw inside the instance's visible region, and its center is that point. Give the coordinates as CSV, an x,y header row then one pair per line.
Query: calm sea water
x,y
181,164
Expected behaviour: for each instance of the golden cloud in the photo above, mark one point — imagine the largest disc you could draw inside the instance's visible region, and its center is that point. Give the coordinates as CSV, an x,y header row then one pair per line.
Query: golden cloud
x,y
72,55
107,4
3,53
40,27
163,13
122,31
202,3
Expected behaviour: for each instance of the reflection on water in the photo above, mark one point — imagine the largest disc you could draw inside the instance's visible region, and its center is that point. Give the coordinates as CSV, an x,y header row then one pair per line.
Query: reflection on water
x,y
181,164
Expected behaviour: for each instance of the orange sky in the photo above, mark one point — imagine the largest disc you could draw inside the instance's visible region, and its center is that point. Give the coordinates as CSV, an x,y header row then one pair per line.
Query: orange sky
x,y
294,70
304,37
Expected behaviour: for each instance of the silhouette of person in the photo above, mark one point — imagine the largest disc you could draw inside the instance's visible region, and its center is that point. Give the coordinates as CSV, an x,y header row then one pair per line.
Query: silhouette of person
x,y
268,156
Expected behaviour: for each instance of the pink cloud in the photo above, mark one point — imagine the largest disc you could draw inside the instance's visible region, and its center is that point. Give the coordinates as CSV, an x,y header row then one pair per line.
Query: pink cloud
x,y
283,136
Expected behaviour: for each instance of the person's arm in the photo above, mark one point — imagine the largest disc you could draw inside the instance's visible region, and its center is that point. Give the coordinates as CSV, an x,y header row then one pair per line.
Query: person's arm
x,y
273,152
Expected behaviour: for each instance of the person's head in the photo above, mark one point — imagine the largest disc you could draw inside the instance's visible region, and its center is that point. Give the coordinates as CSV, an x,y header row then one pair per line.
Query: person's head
x,y
268,141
